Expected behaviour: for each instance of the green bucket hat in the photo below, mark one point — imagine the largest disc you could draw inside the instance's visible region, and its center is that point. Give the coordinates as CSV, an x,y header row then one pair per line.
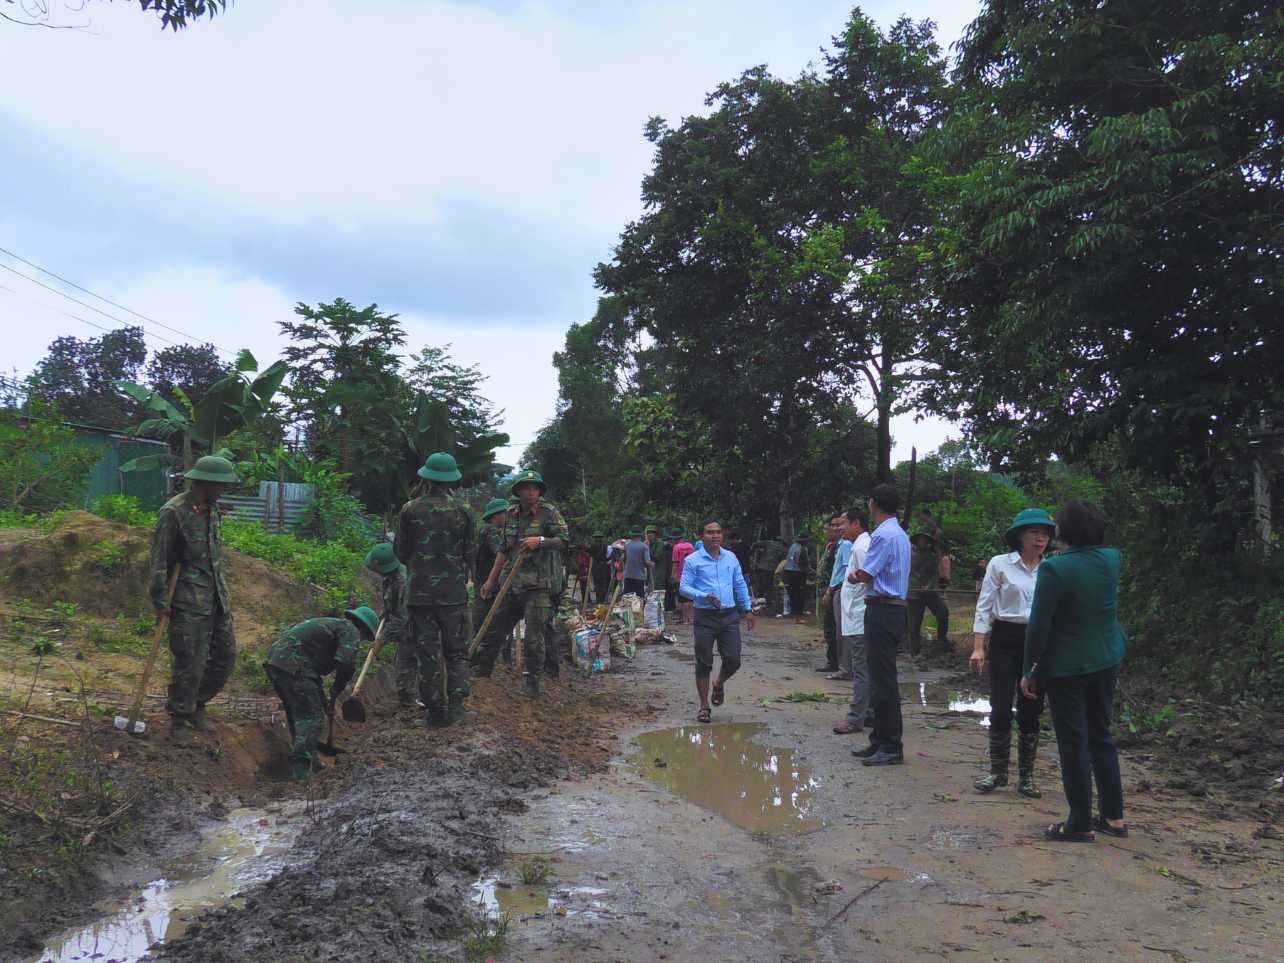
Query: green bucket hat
x,y
598,535
381,559
652,530
529,475
440,467
212,468
922,534
494,507
364,617
1024,519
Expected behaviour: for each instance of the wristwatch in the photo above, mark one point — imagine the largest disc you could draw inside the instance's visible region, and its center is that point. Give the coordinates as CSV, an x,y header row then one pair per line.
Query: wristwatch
x,y
541,541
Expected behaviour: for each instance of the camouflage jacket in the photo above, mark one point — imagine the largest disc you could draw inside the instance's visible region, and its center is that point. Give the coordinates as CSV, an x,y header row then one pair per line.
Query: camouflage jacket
x,y
316,646
188,536
825,570
490,542
395,618
543,567
924,570
662,555
436,540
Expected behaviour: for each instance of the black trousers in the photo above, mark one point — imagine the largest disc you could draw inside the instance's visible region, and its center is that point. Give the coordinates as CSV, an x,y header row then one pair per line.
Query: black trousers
x,y
601,587
935,603
720,627
796,585
636,586
1081,709
884,629
1007,651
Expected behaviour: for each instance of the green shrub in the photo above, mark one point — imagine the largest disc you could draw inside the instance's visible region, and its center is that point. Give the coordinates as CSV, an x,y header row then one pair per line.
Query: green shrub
x,y
249,671
122,508
331,566
108,556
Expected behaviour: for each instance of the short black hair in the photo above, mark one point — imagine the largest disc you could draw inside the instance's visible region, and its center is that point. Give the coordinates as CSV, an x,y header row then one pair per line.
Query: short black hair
x,y
886,497
1080,524
710,520
834,515
859,515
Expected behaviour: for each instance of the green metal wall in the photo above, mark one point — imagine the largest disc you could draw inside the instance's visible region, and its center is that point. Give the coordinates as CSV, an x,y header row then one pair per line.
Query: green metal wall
x,y
105,478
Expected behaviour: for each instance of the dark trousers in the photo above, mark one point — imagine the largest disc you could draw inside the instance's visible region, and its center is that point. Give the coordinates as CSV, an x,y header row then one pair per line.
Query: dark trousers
x,y
1081,708
936,604
796,585
720,627
831,634
635,585
670,597
1007,651
884,629
601,587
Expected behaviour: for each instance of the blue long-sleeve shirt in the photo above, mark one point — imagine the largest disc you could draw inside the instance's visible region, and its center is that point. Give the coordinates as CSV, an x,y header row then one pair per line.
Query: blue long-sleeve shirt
x,y
842,558
888,561
704,575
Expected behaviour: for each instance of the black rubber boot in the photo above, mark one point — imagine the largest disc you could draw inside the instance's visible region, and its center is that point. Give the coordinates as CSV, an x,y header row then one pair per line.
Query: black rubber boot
x,y
1027,750
456,711
532,685
1000,746
199,720
437,718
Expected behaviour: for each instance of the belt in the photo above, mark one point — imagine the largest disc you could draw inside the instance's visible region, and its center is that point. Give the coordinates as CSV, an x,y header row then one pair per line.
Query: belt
x,y
883,600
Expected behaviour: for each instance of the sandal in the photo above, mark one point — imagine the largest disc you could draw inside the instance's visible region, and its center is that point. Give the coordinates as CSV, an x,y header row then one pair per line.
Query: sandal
x,y
1119,832
717,696
1058,833
704,715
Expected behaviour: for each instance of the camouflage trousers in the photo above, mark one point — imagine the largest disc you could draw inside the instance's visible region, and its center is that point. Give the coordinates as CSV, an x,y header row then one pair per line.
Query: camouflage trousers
x,y
203,651
535,606
481,608
439,640
305,704
405,664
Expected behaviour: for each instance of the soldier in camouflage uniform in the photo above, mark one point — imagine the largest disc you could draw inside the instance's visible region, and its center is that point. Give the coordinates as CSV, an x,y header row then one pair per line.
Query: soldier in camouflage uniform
x,y
925,585
297,662
396,621
436,540
490,542
201,640
539,527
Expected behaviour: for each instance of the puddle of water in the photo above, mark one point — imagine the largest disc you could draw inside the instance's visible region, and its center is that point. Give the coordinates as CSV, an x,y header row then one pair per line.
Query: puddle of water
x,y
939,696
247,849
518,901
893,874
720,768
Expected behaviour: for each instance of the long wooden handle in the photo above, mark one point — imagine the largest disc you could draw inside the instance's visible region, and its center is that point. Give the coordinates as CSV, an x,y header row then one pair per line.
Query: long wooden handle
x,y
161,626
494,606
375,646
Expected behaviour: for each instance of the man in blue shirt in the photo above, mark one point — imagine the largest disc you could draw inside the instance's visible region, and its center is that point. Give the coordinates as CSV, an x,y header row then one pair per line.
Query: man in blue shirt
x,y
885,573
712,580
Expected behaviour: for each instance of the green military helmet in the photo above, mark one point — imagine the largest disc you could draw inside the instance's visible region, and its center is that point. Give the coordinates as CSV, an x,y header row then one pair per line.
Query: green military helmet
x,y
381,559
598,535
923,534
364,617
652,530
528,475
212,468
493,507
440,467
1026,518
675,533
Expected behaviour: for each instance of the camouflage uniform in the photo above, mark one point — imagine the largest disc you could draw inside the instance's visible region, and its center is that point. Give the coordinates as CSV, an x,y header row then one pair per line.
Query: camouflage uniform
x,y
925,594
532,593
295,663
436,539
490,543
396,632
201,640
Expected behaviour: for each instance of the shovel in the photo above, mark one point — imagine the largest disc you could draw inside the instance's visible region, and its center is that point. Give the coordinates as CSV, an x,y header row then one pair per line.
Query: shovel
x,y
328,748
162,624
353,709
494,606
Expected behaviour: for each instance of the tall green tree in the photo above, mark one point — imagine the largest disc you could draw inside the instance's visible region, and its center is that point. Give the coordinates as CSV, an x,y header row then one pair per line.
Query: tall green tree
x,y
78,376
192,368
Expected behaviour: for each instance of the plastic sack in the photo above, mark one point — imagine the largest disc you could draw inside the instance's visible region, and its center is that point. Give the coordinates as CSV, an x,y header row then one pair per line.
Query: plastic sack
x,y
653,611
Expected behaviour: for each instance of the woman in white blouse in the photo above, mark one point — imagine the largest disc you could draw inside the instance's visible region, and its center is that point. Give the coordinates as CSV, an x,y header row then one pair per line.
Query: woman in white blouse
x,y
1002,611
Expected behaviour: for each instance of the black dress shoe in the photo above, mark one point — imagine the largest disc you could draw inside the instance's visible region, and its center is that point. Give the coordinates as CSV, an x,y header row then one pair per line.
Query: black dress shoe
x,y
826,668
867,752
881,758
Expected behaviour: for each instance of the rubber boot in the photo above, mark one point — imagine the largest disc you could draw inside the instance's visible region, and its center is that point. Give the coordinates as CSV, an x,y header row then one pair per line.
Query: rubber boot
x,y
532,684
199,720
456,711
1027,749
1000,745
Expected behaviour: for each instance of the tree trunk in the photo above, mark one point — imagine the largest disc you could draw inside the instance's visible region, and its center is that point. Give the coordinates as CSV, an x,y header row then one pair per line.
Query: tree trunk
x,y
1262,493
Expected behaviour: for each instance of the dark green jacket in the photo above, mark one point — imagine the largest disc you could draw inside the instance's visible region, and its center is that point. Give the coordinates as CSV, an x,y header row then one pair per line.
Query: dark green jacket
x,y
1074,623
317,646
436,540
490,542
925,570
184,535
543,568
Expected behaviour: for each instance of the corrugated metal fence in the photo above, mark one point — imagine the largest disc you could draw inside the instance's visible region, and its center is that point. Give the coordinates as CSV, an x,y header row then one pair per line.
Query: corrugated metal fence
x,y
106,478
265,506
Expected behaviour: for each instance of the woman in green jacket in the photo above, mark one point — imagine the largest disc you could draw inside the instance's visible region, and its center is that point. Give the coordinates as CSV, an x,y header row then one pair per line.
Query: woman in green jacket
x,y
1073,646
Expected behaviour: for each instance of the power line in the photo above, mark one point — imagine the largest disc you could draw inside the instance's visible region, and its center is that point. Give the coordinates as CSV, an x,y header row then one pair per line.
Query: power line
x,y
105,300
76,317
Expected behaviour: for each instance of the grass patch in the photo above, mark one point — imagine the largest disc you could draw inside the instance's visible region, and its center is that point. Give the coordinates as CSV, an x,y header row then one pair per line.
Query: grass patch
x,y
249,671
119,644
487,938
123,508
804,697
330,566
43,523
534,871
108,557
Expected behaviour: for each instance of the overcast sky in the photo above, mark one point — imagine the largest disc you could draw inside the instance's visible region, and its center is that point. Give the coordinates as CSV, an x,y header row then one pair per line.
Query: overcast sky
x,y
464,165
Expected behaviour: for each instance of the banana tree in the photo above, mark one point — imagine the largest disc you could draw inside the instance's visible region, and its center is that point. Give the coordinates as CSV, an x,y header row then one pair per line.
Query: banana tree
x,y
235,400
431,430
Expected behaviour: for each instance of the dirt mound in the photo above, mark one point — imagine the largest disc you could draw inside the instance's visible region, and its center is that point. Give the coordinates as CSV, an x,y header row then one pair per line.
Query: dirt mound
x,y
102,567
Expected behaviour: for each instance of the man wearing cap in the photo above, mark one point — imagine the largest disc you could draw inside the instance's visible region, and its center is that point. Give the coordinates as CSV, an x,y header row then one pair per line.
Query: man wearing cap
x,y
536,532
490,542
201,641
296,664
383,561
925,590
600,568
436,539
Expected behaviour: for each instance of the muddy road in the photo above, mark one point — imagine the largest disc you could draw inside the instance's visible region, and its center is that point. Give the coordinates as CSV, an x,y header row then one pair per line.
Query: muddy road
x,y
760,838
